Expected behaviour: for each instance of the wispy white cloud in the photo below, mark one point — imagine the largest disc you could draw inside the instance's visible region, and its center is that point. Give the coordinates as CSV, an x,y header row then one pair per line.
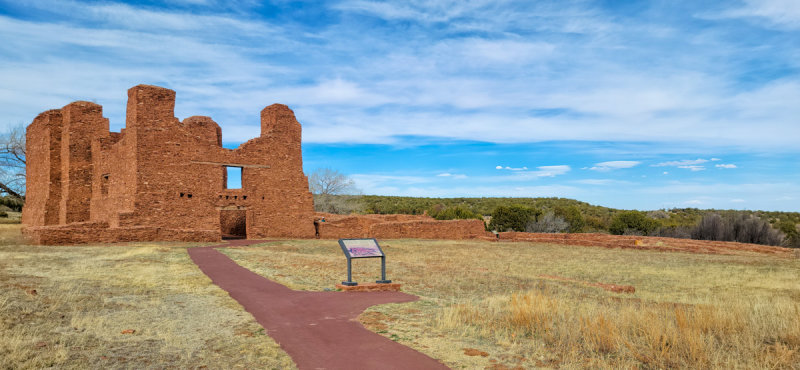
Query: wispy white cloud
x,y
601,182
414,72
482,87
685,162
689,164
551,171
453,176
480,191
614,165
512,168
522,173
777,13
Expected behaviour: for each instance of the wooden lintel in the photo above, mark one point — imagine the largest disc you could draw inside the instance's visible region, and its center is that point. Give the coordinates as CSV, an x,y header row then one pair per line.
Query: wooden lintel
x,y
233,164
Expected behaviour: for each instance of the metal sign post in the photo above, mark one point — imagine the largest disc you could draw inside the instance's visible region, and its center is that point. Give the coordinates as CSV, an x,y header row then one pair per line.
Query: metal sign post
x,y
362,248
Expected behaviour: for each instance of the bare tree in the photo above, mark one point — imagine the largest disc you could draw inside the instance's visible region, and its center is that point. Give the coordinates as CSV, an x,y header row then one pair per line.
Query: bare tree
x,y
325,181
334,192
12,162
549,223
741,228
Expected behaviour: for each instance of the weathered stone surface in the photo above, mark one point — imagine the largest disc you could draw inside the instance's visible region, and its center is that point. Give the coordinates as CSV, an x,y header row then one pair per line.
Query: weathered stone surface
x,y
398,227
643,243
163,179
160,178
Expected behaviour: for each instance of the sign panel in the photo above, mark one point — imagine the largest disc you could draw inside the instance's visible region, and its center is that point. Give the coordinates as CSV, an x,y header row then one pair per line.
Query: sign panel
x,y
360,248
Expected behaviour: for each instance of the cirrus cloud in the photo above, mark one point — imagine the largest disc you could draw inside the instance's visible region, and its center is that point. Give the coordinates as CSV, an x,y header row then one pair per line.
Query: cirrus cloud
x,y
614,165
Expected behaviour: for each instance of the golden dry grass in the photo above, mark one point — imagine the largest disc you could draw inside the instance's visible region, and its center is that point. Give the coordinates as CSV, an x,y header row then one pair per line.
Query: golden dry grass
x,y
120,306
689,310
12,218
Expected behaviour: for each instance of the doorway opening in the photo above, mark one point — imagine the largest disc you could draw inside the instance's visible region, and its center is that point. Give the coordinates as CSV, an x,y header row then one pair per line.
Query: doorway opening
x,y
233,223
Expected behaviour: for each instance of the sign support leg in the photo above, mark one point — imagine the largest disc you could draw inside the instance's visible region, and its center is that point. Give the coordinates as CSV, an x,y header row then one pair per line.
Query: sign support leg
x,y
349,281
383,272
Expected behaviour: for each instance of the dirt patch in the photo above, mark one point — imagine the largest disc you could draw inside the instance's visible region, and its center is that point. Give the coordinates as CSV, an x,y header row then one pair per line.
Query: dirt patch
x,y
375,321
475,352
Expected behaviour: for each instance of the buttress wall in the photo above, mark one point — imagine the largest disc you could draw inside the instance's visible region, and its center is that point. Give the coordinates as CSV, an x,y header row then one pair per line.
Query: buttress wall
x,y
43,170
82,122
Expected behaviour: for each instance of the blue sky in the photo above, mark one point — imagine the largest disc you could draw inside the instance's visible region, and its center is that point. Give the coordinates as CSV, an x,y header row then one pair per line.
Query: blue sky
x,y
627,104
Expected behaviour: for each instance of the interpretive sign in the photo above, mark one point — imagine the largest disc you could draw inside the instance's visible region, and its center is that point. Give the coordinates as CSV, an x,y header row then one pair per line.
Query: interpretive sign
x,y
362,248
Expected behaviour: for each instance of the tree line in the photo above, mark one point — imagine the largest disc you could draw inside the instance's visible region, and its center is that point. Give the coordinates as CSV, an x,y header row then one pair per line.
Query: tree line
x,y
560,215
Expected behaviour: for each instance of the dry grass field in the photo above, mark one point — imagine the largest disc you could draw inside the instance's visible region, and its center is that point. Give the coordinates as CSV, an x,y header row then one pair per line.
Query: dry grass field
x,y
498,305
120,306
483,305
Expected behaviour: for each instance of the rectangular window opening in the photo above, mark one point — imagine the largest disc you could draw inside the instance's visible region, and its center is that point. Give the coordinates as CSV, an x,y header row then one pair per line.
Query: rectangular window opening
x,y
233,177
104,185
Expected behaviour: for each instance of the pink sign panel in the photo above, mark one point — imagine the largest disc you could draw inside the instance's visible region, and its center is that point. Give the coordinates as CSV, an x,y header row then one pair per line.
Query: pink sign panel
x,y
362,248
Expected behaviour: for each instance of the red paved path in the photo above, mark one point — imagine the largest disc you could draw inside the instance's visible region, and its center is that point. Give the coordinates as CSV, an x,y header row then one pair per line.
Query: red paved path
x,y
317,329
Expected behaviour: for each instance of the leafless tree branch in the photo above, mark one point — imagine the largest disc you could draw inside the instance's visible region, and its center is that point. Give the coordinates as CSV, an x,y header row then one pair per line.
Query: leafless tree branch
x,y
12,162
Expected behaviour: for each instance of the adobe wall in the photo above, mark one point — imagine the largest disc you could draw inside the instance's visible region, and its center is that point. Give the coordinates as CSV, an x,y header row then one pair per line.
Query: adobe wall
x,y
641,242
434,229
165,179
160,178
82,122
399,227
44,145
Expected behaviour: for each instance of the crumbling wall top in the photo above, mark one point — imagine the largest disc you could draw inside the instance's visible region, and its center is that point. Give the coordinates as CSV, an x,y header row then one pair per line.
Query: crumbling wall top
x,y
149,104
278,120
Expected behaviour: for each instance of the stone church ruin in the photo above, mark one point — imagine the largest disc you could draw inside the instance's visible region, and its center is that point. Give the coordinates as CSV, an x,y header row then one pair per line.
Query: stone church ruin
x,y
161,178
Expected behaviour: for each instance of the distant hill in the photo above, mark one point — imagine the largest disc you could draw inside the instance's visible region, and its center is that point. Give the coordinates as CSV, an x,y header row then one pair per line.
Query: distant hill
x,y
597,218
417,205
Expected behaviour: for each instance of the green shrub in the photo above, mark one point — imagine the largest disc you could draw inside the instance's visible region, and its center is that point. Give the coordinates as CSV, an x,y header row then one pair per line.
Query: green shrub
x,y
513,217
572,215
453,213
789,228
632,222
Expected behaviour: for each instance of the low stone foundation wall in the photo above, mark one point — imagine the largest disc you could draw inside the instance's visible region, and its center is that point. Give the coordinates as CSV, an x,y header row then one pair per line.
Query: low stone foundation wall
x,y
399,227
99,232
450,229
641,242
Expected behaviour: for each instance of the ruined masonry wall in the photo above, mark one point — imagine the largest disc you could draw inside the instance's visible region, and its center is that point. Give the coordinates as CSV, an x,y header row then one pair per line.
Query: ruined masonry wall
x,y
165,179
400,226
82,123
44,143
160,178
